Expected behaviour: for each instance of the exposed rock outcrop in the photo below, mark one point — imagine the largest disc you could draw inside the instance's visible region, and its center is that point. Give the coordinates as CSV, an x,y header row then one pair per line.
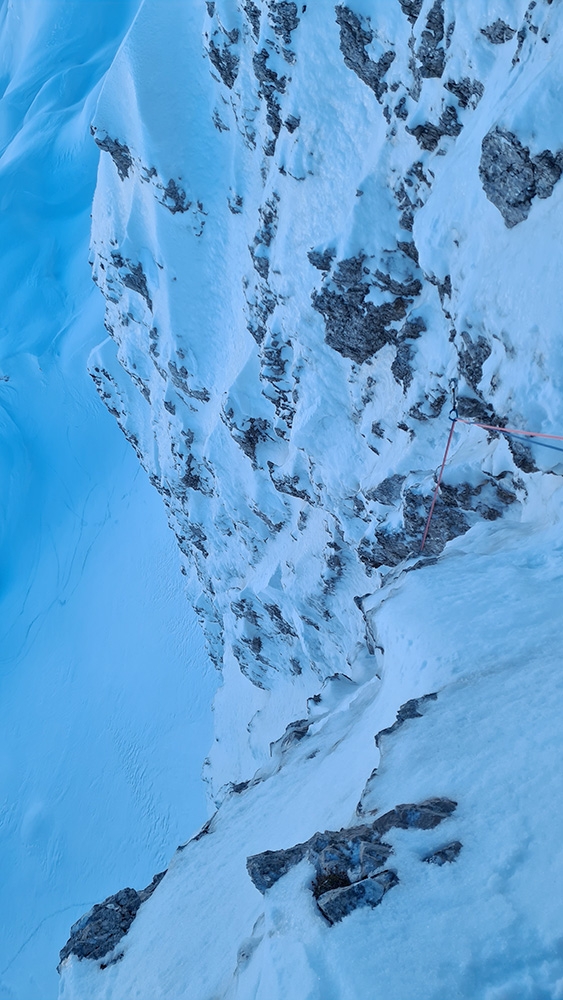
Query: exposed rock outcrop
x,y
498,32
338,903
350,863
355,36
97,933
512,178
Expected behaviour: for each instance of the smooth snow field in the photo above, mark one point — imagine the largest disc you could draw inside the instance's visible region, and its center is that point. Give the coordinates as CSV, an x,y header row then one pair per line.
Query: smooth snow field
x,y
104,683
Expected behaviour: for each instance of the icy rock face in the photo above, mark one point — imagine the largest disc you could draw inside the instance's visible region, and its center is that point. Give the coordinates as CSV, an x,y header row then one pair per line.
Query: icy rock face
x,y
349,864
511,178
98,932
286,231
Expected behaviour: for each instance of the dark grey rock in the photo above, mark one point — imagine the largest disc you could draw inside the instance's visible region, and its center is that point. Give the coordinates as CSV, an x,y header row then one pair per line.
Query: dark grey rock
x,y
333,877
372,858
449,521
174,198
253,14
388,491
409,250
410,816
511,178
521,455
244,609
294,733
136,279
292,122
261,263
268,214
99,930
250,437
334,565
355,329
270,85
389,549
410,710
401,367
429,134
236,204
283,18
466,90
431,54
411,9
338,903
291,485
498,32
119,153
282,627
507,175
266,76
330,852
261,308
265,869
349,274
180,376
354,38
547,171
476,409
412,329
522,35
472,359
446,854
256,669
349,854
225,62
452,513
409,288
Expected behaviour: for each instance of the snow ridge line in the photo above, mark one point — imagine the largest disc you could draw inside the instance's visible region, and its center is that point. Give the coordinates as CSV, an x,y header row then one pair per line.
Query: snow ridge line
x,y
511,431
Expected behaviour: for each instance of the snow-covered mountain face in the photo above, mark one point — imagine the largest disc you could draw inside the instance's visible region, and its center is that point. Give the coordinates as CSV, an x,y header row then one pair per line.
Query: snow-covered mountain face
x,y
308,220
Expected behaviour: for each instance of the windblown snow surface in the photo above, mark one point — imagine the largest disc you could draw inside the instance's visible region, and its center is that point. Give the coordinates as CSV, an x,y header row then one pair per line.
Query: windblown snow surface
x,y
308,219
103,728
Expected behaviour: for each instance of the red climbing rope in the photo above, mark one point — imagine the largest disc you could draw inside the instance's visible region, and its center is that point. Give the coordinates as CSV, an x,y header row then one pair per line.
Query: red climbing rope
x,y
509,430
440,474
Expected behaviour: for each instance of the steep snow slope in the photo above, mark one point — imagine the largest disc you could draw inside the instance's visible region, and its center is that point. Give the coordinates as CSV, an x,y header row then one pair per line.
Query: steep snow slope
x,y
102,735
309,219
487,925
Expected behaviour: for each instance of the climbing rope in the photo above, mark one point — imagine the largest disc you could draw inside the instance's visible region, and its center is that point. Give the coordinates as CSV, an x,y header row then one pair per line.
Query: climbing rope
x,y
515,433
531,436
439,480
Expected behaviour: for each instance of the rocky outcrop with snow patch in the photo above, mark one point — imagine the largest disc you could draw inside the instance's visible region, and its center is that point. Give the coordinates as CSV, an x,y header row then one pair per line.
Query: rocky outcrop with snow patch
x,y
98,932
350,864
